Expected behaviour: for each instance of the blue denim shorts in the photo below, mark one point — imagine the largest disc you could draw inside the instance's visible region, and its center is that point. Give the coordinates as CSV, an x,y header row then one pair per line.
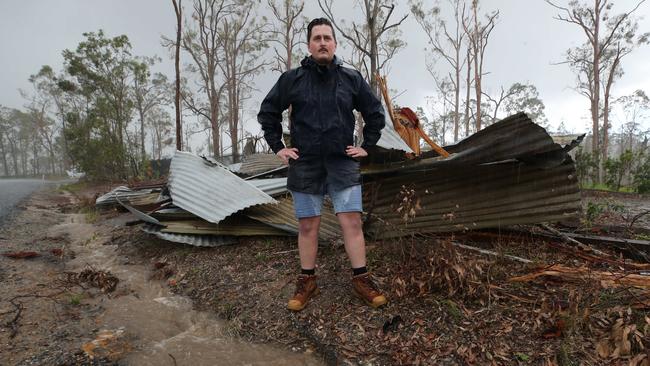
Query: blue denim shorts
x,y
345,200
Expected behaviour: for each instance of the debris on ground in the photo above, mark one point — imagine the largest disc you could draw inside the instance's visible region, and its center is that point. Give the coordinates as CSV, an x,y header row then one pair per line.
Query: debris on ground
x,y
20,254
109,344
511,172
102,280
492,255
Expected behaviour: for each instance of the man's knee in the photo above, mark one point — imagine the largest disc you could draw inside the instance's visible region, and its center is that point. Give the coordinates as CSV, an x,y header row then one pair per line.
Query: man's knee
x,y
351,222
309,225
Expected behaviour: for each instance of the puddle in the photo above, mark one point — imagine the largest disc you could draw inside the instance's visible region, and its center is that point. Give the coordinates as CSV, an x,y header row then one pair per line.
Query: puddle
x,y
157,327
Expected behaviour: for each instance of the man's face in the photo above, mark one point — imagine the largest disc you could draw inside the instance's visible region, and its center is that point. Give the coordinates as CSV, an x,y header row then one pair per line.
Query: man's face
x,y
322,44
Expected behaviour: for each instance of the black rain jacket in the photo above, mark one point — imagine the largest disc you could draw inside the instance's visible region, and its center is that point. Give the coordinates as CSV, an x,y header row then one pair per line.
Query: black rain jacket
x,y
322,99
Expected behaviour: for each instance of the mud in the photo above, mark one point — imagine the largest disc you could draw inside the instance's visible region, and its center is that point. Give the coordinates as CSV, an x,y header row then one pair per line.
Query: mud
x,y
139,323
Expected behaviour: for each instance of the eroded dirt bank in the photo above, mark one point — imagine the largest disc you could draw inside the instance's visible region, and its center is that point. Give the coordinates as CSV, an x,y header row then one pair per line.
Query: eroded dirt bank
x,y
81,299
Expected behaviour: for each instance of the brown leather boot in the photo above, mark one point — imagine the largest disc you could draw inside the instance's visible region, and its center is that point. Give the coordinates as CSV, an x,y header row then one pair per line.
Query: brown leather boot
x,y
366,290
305,289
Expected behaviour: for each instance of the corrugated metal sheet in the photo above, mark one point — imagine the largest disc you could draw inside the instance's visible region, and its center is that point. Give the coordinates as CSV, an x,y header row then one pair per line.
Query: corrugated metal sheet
x,y
140,215
485,196
235,226
209,190
140,197
283,217
172,214
260,163
390,139
272,186
196,240
234,167
515,137
509,173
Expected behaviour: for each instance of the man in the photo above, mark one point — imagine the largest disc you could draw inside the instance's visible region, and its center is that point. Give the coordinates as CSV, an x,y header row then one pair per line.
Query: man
x,y
322,159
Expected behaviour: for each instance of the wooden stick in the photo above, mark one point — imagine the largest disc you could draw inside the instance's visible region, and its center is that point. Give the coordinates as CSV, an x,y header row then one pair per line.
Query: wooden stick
x,y
489,252
569,240
433,145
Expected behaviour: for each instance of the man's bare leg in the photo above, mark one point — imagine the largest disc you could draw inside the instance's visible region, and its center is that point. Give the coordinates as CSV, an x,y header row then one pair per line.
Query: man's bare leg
x,y
355,244
307,248
308,241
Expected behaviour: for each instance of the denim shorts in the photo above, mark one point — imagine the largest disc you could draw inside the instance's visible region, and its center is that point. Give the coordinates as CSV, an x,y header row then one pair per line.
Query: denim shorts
x,y
344,200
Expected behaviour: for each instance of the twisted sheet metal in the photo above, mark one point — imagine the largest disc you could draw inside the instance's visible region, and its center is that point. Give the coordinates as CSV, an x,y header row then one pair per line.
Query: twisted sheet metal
x,y
141,197
486,196
509,173
232,226
195,240
260,163
210,190
390,139
282,216
272,186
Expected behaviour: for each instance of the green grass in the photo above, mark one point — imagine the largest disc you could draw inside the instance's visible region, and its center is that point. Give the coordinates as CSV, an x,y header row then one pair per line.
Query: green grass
x,y
604,187
262,257
73,187
453,310
75,299
91,214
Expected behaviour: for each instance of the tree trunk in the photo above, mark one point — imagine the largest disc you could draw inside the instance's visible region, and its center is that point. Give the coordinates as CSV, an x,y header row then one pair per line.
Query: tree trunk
x,y
457,96
608,87
4,156
477,69
215,97
595,99
143,152
14,157
469,87
177,99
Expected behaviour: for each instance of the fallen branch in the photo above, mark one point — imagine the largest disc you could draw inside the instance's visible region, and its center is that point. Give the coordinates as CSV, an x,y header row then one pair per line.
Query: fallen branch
x,y
285,252
606,279
572,241
637,216
20,255
18,309
495,254
596,259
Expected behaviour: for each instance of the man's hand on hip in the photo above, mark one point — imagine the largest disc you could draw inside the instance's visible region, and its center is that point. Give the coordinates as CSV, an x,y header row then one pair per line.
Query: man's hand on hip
x,y
288,153
356,152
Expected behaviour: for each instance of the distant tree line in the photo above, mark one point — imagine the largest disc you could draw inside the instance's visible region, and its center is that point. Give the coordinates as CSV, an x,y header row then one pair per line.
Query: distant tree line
x,y
107,113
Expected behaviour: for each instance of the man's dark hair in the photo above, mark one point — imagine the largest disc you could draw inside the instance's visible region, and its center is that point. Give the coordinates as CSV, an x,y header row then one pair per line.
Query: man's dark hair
x,y
319,21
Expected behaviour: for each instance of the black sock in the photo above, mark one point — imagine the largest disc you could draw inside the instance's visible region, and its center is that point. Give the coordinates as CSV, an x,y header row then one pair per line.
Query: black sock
x,y
309,272
359,271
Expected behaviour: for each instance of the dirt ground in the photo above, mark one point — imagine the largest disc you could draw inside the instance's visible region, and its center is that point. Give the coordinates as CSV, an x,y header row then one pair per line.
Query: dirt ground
x,y
42,319
447,305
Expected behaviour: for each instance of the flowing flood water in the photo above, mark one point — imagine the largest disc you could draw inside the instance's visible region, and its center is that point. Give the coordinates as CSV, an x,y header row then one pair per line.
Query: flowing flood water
x,y
152,326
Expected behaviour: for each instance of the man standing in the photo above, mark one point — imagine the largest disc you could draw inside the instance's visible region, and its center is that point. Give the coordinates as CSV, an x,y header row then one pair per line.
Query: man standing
x,y
322,159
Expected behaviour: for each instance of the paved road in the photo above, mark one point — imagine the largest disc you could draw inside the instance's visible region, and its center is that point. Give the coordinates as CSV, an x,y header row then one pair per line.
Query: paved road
x,y
14,190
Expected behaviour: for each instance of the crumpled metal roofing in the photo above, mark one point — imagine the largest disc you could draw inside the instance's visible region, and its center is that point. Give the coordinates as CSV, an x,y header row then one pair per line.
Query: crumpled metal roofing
x,y
139,197
209,190
271,186
139,214
282,216
509,173
259,163
234,225
390,139
196,240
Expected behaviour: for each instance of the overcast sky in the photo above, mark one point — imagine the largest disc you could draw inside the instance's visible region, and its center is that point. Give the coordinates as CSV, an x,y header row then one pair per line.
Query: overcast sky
x,y
523,47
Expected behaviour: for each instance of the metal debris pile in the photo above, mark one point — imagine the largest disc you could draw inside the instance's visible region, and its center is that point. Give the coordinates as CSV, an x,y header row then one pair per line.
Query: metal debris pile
x,y
511,172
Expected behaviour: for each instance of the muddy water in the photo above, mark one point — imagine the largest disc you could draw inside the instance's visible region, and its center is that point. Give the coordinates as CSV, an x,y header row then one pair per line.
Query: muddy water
x,y
156,326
